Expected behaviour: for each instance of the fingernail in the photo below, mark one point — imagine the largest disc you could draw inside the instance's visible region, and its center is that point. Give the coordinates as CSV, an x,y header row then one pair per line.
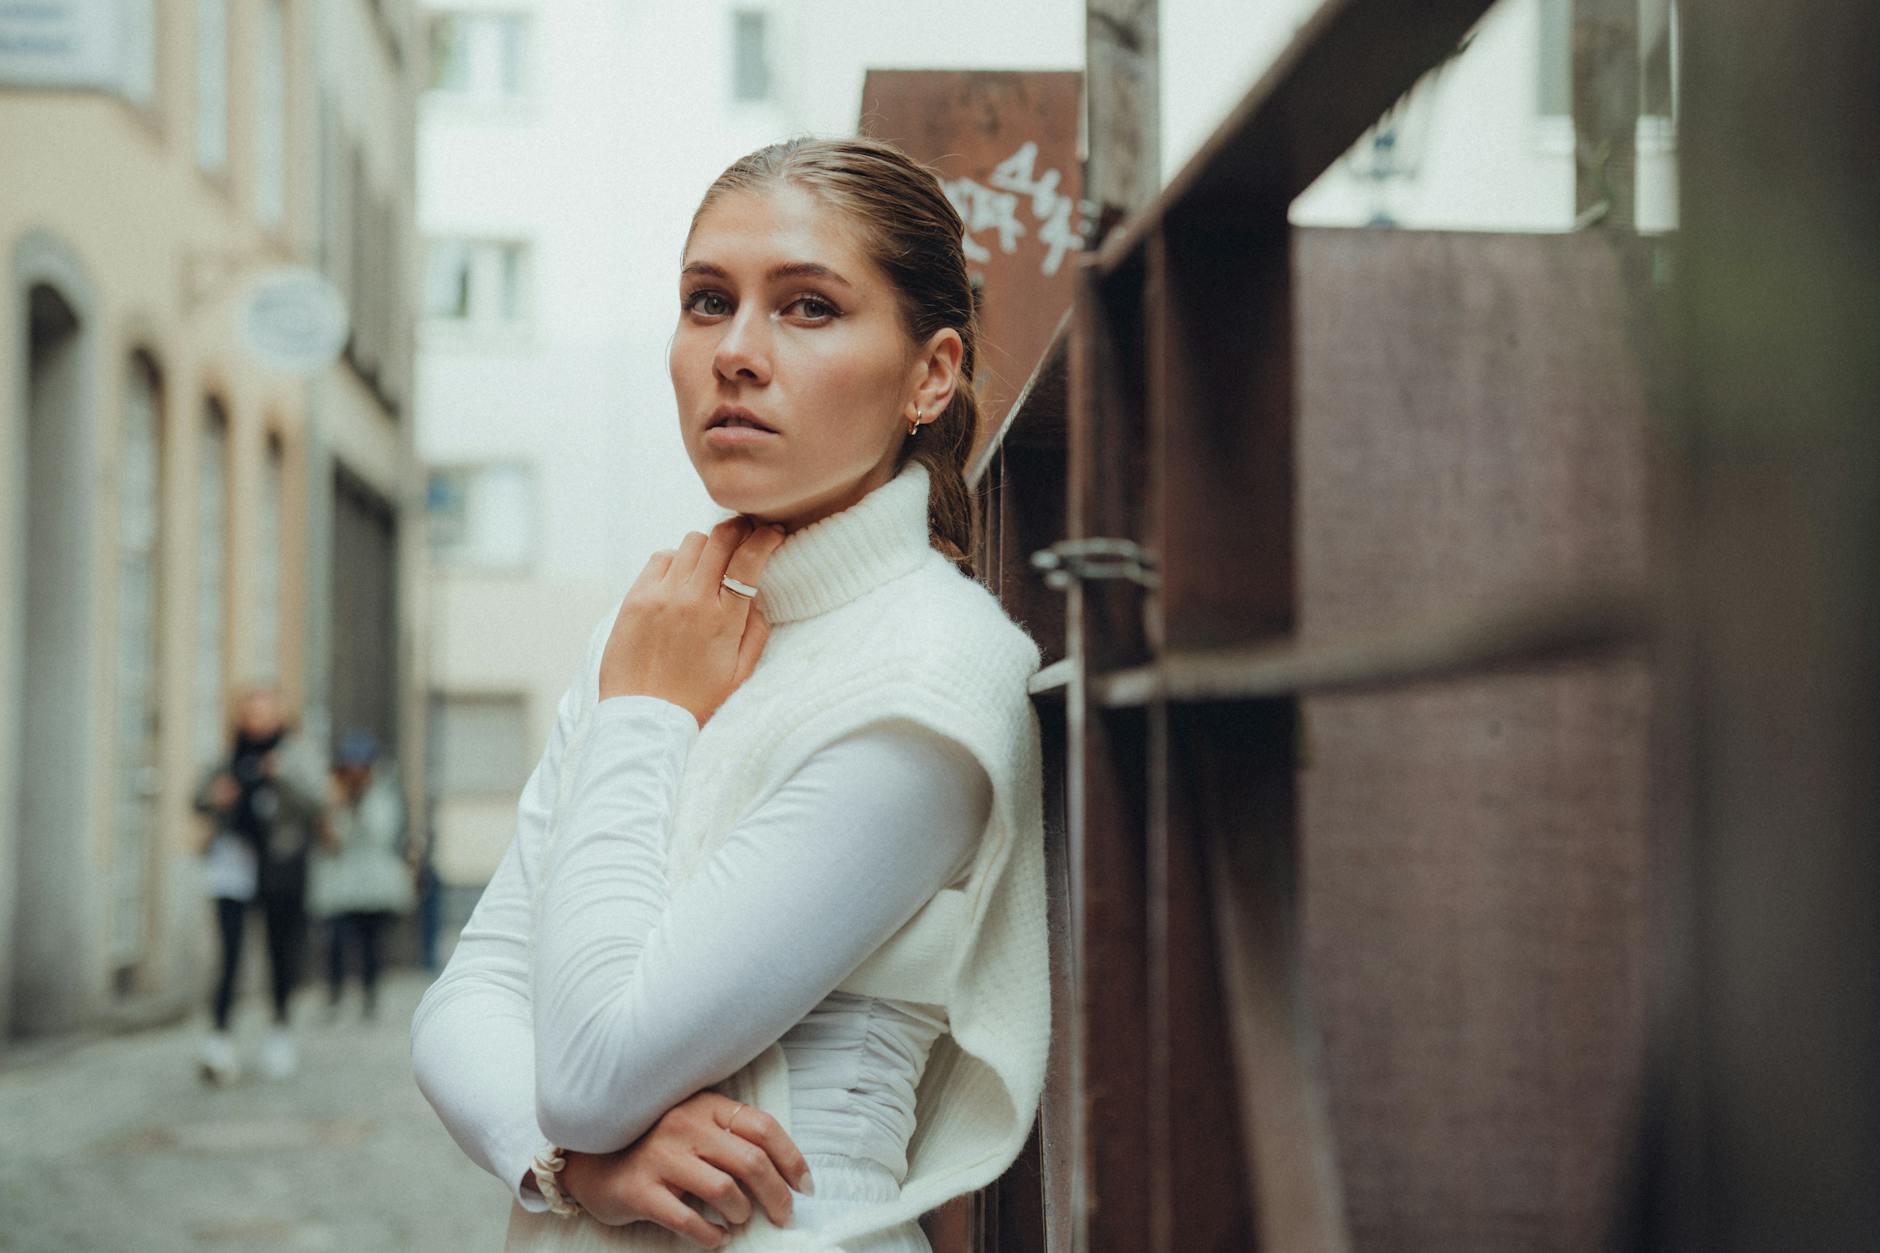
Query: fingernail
x,y
805,1184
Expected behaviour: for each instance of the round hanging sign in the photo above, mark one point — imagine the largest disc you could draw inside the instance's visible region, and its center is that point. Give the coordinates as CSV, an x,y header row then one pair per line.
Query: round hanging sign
x,y
293,319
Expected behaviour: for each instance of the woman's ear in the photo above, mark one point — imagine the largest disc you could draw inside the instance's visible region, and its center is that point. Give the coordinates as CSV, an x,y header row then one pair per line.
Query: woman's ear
x,y
937,371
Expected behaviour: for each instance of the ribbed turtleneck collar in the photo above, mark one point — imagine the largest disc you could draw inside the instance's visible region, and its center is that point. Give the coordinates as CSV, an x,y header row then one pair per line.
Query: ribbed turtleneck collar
x,y
832,561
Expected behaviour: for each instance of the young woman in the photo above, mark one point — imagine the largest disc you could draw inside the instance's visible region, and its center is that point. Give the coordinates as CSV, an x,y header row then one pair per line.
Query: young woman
x,y
765,966
264,809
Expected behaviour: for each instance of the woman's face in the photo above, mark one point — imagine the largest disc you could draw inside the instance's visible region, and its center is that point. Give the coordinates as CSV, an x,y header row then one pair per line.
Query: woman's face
x,y
258,713
794,375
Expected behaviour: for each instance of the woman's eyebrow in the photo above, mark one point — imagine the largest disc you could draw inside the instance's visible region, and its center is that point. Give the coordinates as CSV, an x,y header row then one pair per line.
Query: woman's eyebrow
x,y
789,269
806,269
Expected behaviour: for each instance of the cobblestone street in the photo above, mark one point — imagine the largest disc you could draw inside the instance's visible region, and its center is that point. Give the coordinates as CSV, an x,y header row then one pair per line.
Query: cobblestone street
x,y
113,1145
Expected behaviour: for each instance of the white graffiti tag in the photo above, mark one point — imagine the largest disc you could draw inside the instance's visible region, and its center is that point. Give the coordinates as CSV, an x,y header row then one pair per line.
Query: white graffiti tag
x,y
995,208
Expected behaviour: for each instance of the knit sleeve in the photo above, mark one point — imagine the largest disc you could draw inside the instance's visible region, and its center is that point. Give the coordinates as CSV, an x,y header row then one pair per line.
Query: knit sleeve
x,y
646,994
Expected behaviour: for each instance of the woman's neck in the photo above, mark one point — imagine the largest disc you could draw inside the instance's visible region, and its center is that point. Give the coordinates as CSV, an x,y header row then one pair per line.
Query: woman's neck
x,y
843,554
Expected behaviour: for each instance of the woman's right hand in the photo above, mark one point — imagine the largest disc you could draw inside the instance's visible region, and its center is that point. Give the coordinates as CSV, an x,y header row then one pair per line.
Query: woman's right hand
x,y
689,1151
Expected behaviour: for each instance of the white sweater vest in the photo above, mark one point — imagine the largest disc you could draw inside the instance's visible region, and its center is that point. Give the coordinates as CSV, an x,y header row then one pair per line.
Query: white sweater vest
x,y
868,623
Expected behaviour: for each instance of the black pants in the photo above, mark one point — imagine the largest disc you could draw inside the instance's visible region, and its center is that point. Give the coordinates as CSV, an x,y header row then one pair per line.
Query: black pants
x,y
286,918
359,929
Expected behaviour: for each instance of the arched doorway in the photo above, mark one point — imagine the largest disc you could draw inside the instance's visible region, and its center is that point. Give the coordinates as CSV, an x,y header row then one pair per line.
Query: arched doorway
x,y
52,938
209,626
137,712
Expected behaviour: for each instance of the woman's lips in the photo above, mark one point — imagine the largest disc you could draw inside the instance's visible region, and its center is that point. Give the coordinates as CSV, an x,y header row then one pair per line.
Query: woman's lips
x,y
734,434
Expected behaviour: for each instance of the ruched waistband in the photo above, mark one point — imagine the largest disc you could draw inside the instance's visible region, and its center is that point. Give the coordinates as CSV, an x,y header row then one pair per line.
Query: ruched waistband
x,y
840,1177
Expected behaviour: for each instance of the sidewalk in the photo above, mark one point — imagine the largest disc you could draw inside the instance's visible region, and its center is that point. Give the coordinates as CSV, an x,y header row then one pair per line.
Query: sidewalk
x,y
115,1146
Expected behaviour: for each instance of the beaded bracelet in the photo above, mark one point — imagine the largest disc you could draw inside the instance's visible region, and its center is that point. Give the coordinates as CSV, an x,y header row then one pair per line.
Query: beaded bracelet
x,y
547,1165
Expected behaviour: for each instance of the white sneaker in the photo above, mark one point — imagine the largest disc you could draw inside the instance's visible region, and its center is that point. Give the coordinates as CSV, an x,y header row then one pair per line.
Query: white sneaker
x,y
217,1059
278,1058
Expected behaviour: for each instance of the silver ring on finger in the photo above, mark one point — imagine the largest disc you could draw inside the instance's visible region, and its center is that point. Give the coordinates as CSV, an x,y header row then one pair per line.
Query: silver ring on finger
x,y
741,588
733,1120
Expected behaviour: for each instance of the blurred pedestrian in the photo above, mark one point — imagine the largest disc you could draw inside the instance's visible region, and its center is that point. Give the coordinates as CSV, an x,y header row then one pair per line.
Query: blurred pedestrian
x,y
430,889
265,806
361,880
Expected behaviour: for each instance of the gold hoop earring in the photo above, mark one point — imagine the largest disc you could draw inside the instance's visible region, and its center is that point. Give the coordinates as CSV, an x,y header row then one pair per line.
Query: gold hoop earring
x,y
913,428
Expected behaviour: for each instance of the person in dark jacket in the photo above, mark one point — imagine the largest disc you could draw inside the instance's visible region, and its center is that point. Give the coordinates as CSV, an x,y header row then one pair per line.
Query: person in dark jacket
x,y
265,808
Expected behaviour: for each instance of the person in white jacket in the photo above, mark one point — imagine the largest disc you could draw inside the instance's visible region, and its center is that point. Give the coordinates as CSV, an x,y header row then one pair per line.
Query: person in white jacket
x,y
359,879
765,964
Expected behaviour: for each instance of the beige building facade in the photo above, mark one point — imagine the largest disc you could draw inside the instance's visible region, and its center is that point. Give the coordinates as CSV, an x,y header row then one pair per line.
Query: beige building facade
x,y
178,518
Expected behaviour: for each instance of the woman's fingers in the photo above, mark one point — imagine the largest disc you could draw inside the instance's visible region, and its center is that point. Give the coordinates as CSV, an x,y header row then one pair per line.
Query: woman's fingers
x,y
686,558
682,1220
703,578
752,1167
768,1134
749,558
708,1183
653,571
746,563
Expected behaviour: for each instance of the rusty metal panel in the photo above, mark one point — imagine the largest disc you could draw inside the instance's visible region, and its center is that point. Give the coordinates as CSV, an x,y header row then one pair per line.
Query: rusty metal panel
x,y
1221,419
1005,144
1472,422
1472,426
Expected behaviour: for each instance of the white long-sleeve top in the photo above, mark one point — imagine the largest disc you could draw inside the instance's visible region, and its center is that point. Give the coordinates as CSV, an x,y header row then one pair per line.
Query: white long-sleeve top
x,y
635,997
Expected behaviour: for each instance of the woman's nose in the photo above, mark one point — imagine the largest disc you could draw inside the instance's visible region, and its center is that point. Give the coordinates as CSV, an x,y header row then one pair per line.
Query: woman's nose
x,y
743,352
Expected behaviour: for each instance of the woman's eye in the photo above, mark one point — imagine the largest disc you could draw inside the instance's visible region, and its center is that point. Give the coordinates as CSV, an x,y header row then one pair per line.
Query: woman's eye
x,y
815,308
709,303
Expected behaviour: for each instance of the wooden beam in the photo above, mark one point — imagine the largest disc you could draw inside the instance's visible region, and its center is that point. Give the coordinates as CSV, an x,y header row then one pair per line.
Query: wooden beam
x,y
1236,799
1545,628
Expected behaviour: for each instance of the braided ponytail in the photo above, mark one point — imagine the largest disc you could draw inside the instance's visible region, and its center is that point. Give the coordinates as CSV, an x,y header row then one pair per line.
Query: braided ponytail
x,y
943,447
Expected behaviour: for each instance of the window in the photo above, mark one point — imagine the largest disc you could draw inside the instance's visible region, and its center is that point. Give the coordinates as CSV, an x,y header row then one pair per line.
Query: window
x,y
1658,47
212,85
270,131
450,53
750,64
366,261
138,708
481,282
481,516
272,536
480,743
137,74
211,569
1657,39
447,280
480,56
